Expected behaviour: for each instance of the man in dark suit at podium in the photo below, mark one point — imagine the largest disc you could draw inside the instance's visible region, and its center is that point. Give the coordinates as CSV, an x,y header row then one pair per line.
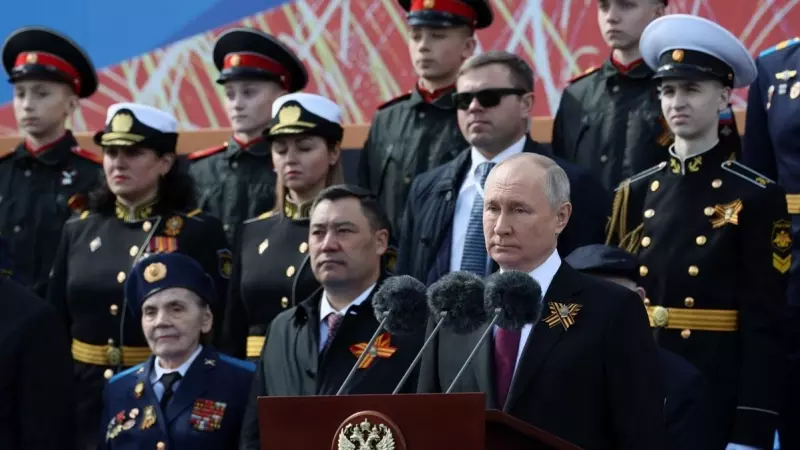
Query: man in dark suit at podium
x,y
311,348
590,376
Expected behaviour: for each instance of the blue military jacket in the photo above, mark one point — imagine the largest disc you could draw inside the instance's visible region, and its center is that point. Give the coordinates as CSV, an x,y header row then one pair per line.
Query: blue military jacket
x,y
205,412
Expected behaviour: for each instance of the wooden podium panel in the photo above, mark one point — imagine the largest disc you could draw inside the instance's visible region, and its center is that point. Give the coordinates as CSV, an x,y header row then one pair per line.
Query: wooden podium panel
x,y
426,421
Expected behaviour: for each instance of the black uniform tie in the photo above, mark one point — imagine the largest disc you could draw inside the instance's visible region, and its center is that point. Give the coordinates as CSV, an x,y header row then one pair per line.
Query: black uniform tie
x,y
168,380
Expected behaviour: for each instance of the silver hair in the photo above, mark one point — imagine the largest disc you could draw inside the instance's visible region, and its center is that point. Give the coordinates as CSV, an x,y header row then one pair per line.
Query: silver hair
x,y
556,181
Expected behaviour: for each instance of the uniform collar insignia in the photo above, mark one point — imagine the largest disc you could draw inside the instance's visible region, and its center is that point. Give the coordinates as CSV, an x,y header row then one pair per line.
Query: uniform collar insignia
x,y
295,211
786,75
381,349
140,212
726,213
210,362
562,313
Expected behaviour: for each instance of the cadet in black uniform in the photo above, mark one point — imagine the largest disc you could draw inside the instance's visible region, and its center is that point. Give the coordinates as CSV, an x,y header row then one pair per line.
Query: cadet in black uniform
x,y
609,120
714,238
312,347
37,369
271,270
143,210
47,176
418,131
236,181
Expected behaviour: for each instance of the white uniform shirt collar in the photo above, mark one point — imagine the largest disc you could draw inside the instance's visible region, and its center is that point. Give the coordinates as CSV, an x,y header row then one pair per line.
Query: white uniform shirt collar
x,y
158,371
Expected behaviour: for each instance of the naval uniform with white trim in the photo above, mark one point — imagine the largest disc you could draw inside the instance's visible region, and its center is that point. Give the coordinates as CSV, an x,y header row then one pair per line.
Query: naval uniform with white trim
x,y
714,241
96,253
205,411
271,272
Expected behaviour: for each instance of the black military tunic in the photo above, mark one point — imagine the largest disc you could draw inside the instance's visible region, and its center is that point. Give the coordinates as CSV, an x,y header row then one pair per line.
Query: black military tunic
x,y
408,136
291,364
97,252
714,241
37,195
234,183
610,122
271,272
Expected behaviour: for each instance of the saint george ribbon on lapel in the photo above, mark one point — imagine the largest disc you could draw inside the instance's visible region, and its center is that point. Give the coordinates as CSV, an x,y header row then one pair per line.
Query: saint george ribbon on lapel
x,y
381,349
562,313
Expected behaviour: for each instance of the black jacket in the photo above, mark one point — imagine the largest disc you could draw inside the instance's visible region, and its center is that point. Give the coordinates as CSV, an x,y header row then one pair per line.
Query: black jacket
x,y
232,183
408,136
424,250
596,384
35,197
36,377
291,364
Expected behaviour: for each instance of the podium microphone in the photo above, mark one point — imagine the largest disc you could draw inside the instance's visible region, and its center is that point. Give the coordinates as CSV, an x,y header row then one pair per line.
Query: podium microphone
x,y
456,302
513,299
400,308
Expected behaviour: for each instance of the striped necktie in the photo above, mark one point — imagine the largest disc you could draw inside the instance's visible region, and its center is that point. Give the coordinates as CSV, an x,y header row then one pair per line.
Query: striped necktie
x,y
475,259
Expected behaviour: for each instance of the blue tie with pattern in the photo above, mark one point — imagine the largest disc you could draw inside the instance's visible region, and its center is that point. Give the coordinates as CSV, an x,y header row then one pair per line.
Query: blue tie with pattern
x,y
475,259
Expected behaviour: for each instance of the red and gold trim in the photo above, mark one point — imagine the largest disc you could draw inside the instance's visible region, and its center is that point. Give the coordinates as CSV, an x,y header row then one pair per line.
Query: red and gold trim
x,y
50,60
454,7
257,61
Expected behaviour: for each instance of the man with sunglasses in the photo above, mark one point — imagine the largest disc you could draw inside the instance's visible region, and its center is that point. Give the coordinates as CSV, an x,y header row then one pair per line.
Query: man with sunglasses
x,y
609,119
442,226
418,131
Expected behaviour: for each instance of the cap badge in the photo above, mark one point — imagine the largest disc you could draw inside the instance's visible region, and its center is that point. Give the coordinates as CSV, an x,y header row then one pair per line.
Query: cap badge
x,y
122,123
155,272
235,60
429,4
31,58
677,55
289,115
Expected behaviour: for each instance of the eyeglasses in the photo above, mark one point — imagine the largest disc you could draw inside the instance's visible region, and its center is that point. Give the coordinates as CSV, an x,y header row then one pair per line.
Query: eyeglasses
x,y
488,98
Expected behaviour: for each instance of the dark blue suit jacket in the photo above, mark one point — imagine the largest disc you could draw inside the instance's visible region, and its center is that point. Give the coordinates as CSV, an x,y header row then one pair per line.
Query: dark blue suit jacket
x,y
214,384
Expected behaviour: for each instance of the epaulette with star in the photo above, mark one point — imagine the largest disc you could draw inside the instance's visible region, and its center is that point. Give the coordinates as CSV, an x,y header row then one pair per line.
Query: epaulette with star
x,y
199,154
86,154
782,45
395,100
746,173
585,73
261,216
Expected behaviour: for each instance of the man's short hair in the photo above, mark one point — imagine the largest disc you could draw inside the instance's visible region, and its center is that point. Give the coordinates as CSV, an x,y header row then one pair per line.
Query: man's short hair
x,y
370,207
557,186
521,74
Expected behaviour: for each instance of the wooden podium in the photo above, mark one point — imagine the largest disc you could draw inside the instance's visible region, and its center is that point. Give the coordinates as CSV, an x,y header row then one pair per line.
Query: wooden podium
x,y
411,422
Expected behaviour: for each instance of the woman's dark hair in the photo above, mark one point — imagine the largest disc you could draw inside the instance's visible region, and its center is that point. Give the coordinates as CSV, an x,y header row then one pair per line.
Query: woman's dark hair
x,y
175,193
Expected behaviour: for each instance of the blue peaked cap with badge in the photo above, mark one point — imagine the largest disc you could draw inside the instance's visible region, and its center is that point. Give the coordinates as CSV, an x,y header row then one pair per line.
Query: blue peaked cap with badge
x,y
162,271
605,260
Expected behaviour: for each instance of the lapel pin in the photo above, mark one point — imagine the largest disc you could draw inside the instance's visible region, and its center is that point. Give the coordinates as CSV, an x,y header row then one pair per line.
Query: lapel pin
x,y
562,313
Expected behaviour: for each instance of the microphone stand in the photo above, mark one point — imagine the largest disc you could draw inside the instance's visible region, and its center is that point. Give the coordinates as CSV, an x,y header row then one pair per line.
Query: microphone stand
x,y
364,353
442,316
471,356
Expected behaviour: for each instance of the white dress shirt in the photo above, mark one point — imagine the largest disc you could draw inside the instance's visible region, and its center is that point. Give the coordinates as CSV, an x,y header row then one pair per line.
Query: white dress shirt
x,y
158,371
466,197
325,308
544,276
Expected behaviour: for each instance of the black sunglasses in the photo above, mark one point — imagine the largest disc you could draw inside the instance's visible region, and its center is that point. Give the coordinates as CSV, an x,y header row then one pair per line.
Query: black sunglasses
x,y
488,98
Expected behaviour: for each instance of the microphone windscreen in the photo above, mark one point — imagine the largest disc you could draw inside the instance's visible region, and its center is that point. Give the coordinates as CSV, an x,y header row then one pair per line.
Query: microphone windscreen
x,y
403,299
517,294
461,295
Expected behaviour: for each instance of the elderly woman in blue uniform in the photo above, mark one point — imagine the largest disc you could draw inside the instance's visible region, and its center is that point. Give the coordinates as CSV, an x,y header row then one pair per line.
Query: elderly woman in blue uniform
x,y
271,270
185,396
713,238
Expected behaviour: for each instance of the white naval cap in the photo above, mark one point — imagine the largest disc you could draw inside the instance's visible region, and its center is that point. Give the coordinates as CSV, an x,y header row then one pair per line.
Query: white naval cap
x,y
303,113
687,46
134,124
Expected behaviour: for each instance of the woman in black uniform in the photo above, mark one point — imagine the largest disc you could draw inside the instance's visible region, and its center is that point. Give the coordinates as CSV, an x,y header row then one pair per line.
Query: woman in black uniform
x,y
270,270
143,209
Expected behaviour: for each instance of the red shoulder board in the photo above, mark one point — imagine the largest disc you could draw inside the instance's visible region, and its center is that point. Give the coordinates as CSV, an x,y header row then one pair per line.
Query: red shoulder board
x,y
203,153
397,99
588,71
91,156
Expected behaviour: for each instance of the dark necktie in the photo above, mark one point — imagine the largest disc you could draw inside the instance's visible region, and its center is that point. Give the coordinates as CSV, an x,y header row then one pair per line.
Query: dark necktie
x,y
475,259
506,346
168,380
334,320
